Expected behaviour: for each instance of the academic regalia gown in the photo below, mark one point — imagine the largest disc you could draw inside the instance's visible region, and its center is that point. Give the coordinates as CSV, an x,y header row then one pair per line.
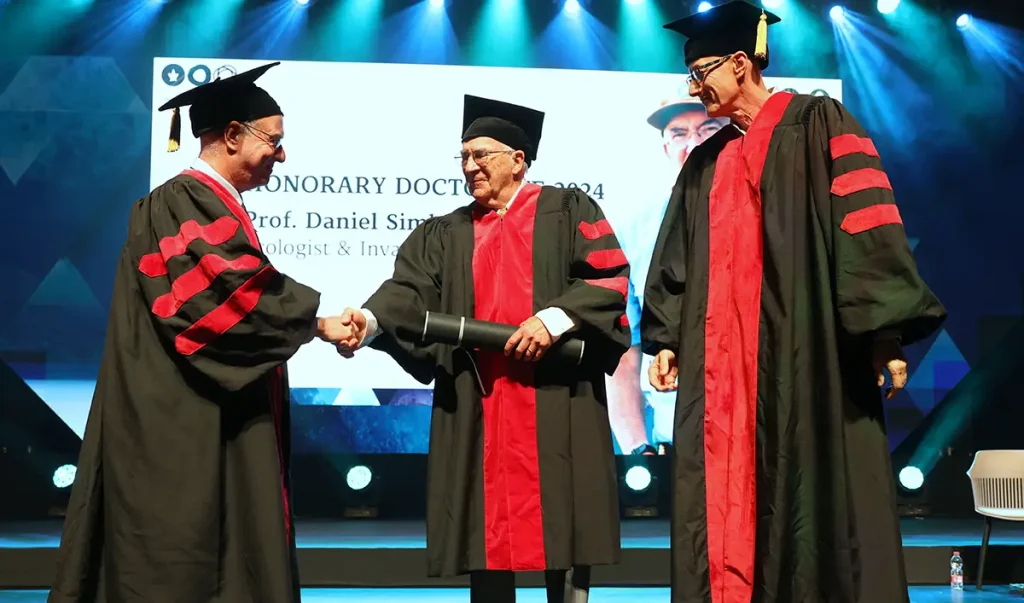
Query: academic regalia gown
x,y
781,259
181,494
521,471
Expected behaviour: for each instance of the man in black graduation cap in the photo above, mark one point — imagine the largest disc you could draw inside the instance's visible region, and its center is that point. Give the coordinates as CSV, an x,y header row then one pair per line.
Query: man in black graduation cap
x,y
521,468
182,492
779,295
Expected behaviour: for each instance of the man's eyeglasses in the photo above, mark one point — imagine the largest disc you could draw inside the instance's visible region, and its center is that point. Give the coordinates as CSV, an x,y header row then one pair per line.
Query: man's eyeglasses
x,y
699,72
273,141
479,156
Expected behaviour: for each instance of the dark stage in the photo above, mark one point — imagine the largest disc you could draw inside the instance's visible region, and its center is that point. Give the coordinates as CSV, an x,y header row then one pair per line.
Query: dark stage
x,y
390,554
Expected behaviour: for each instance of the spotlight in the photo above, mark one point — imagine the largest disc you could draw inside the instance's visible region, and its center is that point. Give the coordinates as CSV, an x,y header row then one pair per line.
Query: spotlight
x,y
572,6
911,478
703,6
963,22
302,2
64,476
437,3
358,477
836,13
887,6
634,2
638,478
771,3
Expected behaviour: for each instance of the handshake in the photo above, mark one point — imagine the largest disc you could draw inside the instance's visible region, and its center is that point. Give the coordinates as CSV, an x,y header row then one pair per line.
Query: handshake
x,y
345,331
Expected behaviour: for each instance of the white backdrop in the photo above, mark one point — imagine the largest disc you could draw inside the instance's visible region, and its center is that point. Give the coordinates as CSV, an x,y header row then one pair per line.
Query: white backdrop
x,y
392,127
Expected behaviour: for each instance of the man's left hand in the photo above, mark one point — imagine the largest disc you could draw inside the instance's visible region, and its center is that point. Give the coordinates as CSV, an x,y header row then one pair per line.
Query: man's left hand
x,y
531,341
888,356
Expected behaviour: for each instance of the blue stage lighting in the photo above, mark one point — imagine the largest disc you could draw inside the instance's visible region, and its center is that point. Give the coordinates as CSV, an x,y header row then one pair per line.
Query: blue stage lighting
x,y
437,3
572,6
634,1
771,3
837,13
911,478
638,478
703,6
302,2
963,22
887,6
64,476
358,477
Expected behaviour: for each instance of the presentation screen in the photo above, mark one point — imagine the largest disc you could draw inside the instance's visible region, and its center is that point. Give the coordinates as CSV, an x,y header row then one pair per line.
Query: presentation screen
x,y
372,150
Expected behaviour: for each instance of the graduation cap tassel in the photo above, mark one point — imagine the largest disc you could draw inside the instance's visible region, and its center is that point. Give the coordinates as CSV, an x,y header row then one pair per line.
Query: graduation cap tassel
x,y
175,141
761,43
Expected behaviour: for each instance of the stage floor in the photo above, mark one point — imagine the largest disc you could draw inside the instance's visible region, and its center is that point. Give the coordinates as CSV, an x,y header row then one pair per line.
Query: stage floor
x,y
391,555
918,594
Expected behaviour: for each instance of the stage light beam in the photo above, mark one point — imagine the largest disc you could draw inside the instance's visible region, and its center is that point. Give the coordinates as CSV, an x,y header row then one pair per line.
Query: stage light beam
x,y
64,476
437,3
634,2
571,6
771,3
302,2
887,7
837,13
358,477
963,22
911,478
638,478
703,6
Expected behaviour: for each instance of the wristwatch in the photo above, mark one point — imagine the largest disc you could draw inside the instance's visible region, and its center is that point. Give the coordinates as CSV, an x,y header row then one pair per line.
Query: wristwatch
x,y
644,449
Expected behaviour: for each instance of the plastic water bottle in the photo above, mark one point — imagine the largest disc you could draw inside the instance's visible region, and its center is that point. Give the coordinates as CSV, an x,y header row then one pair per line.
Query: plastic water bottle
x,y
956,571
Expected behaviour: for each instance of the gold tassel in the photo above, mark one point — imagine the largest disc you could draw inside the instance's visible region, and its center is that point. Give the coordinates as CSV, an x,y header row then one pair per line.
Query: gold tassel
x,y
761,44
175,140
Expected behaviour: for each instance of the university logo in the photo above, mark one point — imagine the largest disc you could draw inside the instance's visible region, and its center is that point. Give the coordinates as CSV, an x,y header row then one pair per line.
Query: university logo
x,y
174,74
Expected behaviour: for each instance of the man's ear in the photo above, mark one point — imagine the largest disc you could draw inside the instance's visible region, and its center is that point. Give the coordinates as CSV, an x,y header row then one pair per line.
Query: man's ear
x,y
232,136
739,62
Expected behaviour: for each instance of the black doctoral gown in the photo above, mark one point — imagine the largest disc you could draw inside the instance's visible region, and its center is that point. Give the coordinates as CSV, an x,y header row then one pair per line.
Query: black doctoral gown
x,y
521,472
181,494
782,258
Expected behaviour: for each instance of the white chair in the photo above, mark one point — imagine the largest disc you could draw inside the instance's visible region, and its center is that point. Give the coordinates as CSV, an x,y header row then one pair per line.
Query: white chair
x,y
997,479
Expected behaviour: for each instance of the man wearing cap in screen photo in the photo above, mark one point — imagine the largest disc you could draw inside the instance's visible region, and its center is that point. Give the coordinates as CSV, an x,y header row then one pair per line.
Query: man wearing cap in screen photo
x,y
182,492
800,289
521,470
682,124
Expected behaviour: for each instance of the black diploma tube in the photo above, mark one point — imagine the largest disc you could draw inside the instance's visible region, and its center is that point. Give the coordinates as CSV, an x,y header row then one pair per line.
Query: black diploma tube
x,y
484,335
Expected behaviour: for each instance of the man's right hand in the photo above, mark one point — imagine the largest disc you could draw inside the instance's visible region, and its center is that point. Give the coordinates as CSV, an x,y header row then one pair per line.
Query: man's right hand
x,y
664,371
345,331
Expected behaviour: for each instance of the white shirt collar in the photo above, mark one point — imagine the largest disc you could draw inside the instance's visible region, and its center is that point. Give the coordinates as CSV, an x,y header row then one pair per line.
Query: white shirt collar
x,y
201,166
515,194
771,92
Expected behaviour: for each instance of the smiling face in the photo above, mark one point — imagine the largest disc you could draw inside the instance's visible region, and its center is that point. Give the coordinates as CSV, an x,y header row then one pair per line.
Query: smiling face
x,y
255,147
685,131
491,168
716,81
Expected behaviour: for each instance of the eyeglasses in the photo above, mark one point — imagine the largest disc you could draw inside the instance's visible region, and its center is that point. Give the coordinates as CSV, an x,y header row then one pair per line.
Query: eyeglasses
x,y
700,134
479,155
273,141
699,72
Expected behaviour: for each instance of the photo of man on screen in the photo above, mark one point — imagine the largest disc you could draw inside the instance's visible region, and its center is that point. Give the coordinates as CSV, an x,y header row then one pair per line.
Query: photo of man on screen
x,y
683,124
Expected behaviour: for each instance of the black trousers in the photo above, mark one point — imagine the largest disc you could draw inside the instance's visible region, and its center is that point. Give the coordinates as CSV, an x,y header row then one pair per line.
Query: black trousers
x,y
572,586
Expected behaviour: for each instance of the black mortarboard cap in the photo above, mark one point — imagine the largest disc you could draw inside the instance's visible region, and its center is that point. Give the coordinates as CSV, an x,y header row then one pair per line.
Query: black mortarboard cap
x,y
731,27
220,102
518,127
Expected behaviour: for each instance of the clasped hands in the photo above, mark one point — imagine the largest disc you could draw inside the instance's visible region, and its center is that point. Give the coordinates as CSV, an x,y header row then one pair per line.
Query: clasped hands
x,y
530,342
887,355
346,331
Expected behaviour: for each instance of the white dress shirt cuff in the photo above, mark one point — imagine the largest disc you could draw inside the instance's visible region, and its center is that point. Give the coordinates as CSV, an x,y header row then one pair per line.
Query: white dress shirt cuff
x,y
556,321
372,328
